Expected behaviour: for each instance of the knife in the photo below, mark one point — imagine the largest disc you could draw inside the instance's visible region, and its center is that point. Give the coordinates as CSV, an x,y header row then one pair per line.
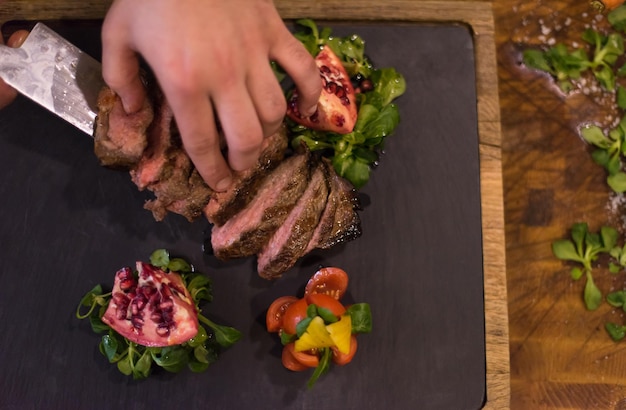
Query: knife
x,y
54,73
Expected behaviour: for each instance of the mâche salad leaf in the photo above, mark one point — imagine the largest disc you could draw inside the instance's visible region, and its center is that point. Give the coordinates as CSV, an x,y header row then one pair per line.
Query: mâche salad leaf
x,y
353,155
138,361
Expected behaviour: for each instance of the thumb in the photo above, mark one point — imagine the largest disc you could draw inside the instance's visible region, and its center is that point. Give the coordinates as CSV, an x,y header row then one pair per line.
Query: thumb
x,y
7,93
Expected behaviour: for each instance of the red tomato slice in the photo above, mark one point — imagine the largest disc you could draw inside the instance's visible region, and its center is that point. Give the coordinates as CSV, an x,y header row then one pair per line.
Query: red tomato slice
x,y
276,311
342,358
326,301
290,362
304,358
293,315
330,281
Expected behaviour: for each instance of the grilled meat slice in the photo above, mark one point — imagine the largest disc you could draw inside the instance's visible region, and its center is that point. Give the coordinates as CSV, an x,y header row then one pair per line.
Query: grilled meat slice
x,y
120,139
224,205
340,222
290,241
248,231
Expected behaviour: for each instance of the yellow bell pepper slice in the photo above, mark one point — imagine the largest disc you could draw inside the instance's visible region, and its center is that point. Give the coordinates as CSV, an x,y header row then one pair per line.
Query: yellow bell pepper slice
x,y
315,337
340,333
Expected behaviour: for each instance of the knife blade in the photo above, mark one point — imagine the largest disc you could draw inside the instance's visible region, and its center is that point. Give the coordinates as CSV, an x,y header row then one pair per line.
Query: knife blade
x,y
54,73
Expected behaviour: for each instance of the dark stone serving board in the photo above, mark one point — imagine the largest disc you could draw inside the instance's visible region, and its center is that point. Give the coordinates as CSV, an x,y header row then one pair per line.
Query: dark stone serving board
x,y
67,224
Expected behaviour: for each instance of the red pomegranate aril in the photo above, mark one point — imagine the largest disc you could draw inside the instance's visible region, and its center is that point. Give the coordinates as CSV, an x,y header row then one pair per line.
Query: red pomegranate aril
x,y
167,304
163,330
366,85
137,321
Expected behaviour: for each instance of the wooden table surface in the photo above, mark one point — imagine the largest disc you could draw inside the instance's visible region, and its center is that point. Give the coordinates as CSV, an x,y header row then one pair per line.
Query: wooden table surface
x,y
561,356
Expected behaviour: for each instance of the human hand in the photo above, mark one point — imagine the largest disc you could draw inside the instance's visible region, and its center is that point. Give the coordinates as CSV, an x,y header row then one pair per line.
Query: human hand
x,y
8,93
211,58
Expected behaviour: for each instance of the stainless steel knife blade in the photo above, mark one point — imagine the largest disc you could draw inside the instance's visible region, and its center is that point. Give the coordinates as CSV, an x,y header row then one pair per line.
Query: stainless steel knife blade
x,y
57,75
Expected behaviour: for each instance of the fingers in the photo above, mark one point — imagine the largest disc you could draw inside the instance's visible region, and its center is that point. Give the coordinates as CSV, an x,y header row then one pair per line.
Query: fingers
x,y
7,93
194,117
241,125
120,67
291,55
17,38
267,97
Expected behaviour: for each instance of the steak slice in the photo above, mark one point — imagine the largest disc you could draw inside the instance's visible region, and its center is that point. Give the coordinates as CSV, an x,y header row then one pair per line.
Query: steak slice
x,y
224,205
184,192
248,231
340,222
290,241
163,148
166,170
120,139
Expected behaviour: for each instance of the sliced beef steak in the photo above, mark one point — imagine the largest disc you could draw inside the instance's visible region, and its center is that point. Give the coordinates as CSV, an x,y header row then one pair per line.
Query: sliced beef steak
x,y
224,205
279,210
120,139
340,222
166,170
164,146
248,231
148,143
290,241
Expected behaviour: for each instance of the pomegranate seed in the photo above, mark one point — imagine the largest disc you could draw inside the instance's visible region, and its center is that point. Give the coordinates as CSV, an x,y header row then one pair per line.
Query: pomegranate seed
x,y
137,322
120,299
366,85
167,305
162,330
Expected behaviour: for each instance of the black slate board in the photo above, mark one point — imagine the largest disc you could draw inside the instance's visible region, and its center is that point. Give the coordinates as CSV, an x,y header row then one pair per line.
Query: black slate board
x,y
68,224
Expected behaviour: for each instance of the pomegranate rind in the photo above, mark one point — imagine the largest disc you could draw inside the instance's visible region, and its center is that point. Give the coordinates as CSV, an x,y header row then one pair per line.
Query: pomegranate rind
x,y
124,316
336,111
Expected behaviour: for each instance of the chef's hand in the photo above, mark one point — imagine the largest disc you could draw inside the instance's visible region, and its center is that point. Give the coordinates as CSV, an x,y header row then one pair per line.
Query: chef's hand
x,y
8,93
211,58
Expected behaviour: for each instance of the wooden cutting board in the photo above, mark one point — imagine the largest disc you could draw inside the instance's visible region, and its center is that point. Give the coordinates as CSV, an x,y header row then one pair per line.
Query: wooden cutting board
x,y
561,356
479,18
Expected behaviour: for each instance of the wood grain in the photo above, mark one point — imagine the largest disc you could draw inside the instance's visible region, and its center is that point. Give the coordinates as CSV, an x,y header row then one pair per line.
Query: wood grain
x,y
478,15
561,357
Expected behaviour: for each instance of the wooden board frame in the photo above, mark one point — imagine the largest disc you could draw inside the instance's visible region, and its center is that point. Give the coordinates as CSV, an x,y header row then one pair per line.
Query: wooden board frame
x,y
478,16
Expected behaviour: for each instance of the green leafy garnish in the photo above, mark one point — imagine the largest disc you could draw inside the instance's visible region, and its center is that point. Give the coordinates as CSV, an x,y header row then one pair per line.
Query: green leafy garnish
x,y
616,299
565,65
353,155
321,368
136,360
361,316
610,151
584,247
617,18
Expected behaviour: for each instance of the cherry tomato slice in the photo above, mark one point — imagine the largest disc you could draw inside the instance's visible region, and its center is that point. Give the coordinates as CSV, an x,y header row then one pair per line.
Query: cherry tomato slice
x,y
326,301
306,359
290,362
330,281
343,358
276,311
295,312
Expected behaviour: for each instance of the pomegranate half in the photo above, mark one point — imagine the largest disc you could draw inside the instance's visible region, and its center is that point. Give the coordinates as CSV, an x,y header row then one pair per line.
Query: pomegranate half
x,y
154,309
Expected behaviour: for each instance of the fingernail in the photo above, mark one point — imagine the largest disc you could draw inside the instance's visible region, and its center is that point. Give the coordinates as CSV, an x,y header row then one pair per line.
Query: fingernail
x,y
130,107
224,184
310,111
